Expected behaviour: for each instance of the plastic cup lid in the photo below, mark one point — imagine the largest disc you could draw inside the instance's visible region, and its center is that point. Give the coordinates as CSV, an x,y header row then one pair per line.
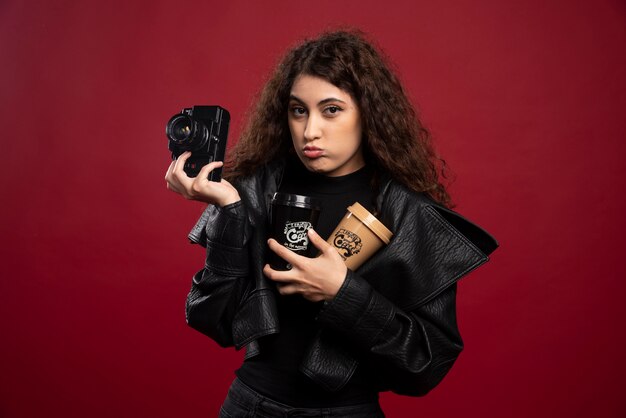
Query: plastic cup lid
x,y
371,222
297,200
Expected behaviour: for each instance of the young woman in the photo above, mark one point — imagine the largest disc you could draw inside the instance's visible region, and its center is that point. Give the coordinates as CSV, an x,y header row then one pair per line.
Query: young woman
x,y
334,123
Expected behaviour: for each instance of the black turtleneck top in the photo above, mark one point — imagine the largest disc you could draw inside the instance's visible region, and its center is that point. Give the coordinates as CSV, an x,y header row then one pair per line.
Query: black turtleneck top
x,y
274,372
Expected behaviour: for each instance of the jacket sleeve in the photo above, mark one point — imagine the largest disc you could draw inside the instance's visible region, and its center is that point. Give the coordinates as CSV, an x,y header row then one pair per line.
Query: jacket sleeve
x,y
218,288
411,351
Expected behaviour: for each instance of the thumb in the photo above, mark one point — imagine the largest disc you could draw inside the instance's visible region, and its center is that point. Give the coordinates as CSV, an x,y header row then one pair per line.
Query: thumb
x,y
204,171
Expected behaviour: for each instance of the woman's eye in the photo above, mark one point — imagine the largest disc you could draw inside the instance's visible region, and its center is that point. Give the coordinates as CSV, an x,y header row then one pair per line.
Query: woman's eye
x,y
298,111
333,110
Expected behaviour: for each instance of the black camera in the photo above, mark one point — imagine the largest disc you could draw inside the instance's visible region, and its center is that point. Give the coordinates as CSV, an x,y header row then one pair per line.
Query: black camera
x,y
203,130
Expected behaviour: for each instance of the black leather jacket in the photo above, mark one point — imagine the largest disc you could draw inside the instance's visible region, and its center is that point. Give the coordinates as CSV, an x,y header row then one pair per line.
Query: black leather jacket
x,y
396,314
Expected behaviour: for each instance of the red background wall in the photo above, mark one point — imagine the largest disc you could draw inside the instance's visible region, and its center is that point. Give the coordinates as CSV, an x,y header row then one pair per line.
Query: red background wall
x,y
525,98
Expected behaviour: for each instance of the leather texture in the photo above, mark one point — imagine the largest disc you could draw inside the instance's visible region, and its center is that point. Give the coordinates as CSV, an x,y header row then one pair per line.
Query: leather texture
x,y
396,314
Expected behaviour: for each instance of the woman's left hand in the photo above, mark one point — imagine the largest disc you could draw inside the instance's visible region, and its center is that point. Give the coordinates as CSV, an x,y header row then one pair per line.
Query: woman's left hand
x,y
316,279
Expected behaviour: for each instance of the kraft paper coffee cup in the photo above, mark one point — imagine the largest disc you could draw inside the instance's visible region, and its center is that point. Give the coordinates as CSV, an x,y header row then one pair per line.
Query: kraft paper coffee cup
x,y
358,236
292,216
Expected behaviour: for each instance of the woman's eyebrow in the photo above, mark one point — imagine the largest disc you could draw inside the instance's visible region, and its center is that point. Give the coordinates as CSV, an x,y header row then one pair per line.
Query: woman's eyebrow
x,y
331,99
321,102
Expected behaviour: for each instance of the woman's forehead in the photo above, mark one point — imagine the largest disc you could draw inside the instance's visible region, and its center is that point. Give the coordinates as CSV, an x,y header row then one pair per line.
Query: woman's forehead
x,y
313,90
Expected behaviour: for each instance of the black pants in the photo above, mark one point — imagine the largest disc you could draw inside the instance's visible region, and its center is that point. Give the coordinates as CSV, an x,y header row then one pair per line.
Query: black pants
x,y
243,402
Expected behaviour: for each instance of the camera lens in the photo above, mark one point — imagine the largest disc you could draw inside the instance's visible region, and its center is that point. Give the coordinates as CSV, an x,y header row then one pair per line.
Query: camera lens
x,y
181,129
186,132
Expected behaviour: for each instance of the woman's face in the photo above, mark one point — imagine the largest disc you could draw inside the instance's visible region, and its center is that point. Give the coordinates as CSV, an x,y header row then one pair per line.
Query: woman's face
x,y
325,127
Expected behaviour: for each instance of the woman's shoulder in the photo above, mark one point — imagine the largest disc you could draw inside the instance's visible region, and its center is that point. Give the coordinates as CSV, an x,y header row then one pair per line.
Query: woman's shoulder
x,y
397,198
402,206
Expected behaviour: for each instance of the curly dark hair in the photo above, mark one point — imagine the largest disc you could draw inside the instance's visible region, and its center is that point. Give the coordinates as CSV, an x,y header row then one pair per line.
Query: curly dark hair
x,y
396,142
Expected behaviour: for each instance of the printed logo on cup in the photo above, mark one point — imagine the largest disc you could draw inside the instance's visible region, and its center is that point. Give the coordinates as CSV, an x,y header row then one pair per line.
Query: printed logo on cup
x,y
347,242
295,234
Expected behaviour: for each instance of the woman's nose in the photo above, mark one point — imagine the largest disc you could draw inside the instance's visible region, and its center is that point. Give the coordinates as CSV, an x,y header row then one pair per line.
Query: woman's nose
x,y
313,128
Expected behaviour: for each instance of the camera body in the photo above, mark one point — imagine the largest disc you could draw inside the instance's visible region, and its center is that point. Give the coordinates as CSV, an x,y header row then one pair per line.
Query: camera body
x,y
203,130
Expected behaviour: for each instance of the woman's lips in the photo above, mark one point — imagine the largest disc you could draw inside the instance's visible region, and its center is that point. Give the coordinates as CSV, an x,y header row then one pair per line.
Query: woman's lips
x,y
312,152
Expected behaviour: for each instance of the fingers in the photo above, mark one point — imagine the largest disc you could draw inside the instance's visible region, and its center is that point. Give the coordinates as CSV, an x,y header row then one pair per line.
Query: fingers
x,y
278,275
169,170
201,182
176,177
172,182
318,241
295,288
284,253
314,278
296,259
287,289
206,170
179,163
287,284
197,188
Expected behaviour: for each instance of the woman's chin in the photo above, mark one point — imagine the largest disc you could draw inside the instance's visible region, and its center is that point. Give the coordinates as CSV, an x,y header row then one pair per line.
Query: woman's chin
x,y
314,165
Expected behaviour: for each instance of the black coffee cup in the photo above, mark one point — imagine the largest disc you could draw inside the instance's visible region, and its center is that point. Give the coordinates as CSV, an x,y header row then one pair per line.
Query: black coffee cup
x,y
292,216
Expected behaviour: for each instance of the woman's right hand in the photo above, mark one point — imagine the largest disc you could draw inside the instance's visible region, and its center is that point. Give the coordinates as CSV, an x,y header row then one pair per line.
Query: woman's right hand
x,y
200,188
